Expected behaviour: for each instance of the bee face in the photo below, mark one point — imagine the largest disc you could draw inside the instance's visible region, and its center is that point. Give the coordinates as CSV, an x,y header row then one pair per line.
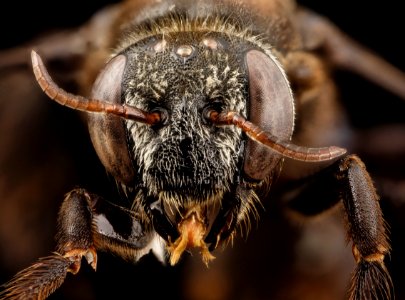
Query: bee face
x,y
182,76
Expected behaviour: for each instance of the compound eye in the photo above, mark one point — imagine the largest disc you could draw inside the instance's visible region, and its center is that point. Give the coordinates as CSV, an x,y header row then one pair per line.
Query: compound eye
x,y
271,108
108,132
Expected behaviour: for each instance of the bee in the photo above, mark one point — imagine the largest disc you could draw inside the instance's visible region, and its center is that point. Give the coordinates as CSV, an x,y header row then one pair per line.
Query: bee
x,y
201,113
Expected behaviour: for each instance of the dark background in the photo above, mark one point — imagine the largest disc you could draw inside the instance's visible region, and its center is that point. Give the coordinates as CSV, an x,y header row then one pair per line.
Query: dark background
x,y
377,25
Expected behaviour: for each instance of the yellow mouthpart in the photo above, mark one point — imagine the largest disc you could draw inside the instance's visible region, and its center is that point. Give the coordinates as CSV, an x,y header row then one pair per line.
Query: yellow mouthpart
x,y
192,231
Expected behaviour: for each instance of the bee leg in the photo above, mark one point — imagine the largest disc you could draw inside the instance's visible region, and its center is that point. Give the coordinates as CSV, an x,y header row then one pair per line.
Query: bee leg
x,y
347,179
74,242
367,230
86,223
74,238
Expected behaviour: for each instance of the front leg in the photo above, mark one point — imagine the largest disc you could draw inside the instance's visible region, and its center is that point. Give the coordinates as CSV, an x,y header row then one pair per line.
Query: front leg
x,y
86,223
348,180
367,231
74,241
75,238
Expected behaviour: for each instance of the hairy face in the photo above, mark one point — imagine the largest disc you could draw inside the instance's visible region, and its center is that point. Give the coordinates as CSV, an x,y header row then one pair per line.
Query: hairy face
x,y
185,157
